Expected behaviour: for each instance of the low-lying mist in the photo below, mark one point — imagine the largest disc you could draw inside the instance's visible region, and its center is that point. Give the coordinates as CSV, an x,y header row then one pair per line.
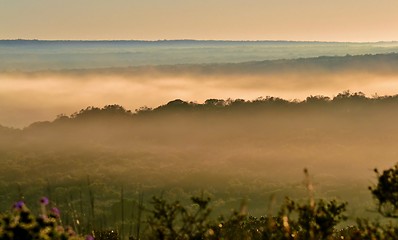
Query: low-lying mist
x,y
26,97
231,148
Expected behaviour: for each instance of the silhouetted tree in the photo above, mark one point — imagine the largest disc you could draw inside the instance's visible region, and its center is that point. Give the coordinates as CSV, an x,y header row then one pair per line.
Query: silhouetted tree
x,y
317,99
215,102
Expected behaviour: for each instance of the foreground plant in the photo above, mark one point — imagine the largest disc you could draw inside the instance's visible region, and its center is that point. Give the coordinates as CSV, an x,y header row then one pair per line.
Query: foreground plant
x,y
174,221
313,220
386,192
21,224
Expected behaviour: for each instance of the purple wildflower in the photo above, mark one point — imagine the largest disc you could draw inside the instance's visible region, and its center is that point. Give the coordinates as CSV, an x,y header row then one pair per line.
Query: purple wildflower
x,y
19,205
44,201
89,237
55,211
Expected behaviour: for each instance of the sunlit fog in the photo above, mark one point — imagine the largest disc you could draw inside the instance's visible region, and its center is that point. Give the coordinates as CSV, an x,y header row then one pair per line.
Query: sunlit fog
x,y
27,97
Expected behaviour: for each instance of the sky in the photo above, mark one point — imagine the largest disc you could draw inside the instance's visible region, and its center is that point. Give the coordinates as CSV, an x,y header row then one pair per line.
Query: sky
x,y
302,20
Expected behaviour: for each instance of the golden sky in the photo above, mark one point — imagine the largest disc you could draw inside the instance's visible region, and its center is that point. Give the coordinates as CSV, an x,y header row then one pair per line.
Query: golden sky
x,y
319,20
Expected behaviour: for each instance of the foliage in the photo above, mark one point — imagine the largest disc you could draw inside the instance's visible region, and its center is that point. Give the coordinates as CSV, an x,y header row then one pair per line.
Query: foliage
x,y
373,230
174,221
117,111
386,191
21,224
315,220
312,220
107,235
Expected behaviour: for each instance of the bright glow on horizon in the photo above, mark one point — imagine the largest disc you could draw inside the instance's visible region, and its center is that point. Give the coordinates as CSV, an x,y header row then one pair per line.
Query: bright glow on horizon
x,y
48,94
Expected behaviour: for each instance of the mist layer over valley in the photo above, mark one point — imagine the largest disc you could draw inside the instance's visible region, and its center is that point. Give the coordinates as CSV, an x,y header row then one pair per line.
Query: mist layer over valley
x,y
27,97
231,149
234,119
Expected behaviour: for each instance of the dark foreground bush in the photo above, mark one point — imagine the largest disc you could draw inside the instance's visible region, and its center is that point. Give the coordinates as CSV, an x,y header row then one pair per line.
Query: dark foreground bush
x,y
313,220
386,192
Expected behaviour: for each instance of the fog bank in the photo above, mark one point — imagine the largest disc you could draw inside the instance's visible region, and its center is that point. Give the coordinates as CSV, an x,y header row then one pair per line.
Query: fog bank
x,y
26,97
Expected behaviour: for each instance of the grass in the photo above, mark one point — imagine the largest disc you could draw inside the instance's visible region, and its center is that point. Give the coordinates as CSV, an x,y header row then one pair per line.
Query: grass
x,y
160,218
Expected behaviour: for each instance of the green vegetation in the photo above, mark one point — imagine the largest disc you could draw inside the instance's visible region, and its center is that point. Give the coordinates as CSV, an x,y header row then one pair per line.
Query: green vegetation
x,y
172,220
386,192
100,165
21,224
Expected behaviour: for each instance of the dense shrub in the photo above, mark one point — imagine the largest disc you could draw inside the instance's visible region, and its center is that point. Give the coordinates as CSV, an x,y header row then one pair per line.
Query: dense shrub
x,y
311,221
386,191
174,221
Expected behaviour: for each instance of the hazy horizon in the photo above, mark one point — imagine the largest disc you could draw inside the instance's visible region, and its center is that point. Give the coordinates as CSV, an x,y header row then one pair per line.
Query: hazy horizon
x,y
344,20
64,77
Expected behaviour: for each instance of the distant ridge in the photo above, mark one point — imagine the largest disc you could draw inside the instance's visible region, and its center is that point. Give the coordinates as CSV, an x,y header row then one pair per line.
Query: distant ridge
x,y
356,102
34,55
375,63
